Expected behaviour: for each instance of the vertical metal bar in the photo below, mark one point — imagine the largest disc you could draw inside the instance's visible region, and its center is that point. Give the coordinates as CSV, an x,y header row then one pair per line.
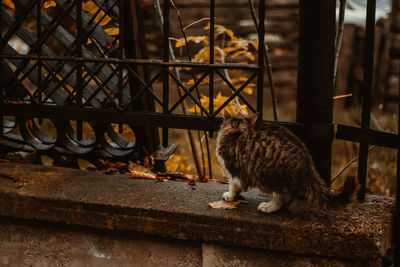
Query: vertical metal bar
x,y
79,80
2,92
121,56
39,51
366,97
166,7
396,218
211,75
261,44
315,75
38,45
211,80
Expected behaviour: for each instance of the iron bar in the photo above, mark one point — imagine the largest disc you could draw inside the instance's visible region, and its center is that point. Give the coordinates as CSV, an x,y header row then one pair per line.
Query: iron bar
x,y
211,74
79,67
261,45
184,109
194,79
139,118
121,56
232,4
268,64
235,94
146,87
370,136
227,81
188,92
339,36
368,67
166,7
153,62
2,83
396,216
315,75
38,45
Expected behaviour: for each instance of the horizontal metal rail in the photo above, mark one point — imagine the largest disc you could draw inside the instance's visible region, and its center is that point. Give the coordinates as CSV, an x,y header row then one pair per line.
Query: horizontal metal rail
x,y
367,136
153,62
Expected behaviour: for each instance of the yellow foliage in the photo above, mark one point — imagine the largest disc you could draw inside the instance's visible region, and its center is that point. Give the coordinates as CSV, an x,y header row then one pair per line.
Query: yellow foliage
x,y
234,47
104,21
91,8
49,4
177,163
196,39
232,108
205,80
219,29
248,89
112,31
204,100
9,3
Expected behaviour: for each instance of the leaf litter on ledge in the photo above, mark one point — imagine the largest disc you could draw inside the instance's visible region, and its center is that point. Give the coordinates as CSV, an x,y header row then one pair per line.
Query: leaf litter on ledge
x,y
226,205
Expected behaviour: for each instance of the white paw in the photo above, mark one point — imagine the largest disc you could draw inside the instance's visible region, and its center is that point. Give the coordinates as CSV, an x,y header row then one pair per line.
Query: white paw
x,y
268,207
227,196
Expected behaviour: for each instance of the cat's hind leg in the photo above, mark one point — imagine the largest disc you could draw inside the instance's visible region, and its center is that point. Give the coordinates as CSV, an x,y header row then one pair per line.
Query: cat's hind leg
x,y
277,202
234,189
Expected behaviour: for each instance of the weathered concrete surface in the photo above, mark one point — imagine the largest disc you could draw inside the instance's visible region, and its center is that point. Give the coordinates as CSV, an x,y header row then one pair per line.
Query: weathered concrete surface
x,y
229,256
38,244
173,209
27,245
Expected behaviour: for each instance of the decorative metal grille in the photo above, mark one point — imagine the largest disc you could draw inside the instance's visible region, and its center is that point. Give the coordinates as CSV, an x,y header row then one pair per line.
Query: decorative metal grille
x,y
77,73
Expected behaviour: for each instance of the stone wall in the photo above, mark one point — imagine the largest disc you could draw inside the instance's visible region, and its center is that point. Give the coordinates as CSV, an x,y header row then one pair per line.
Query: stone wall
x,y
51,216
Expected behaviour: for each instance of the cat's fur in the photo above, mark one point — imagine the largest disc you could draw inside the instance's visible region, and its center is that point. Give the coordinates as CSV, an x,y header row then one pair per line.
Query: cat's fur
x,y
268,156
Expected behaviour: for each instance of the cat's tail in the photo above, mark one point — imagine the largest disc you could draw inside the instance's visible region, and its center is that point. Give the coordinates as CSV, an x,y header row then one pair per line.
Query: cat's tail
x,y
320,194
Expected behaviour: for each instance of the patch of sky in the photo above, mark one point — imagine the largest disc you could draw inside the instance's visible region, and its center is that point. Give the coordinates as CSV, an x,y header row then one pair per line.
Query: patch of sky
x,y
356,10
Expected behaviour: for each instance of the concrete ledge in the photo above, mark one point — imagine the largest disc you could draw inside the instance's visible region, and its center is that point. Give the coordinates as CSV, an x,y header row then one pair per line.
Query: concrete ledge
x,y
24,243
173,209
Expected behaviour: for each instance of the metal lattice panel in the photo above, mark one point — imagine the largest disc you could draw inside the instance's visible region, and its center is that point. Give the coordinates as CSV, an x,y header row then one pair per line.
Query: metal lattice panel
x,y
83,69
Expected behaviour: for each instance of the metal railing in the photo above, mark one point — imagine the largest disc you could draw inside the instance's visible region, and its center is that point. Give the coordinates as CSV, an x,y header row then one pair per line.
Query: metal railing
x,y
112,84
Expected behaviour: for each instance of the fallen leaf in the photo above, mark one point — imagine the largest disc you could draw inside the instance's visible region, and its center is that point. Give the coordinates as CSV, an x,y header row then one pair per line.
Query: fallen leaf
x,y
132,166
46,160
85,165
203,178
117,165
32,157
141,174
226,205
111,171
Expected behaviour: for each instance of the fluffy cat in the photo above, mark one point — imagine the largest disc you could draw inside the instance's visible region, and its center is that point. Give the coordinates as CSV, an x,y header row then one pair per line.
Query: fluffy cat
x,y
259,154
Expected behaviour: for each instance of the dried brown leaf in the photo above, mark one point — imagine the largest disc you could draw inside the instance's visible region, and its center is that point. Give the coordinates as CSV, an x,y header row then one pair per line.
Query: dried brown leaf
x,y
226,205
141,174
111,171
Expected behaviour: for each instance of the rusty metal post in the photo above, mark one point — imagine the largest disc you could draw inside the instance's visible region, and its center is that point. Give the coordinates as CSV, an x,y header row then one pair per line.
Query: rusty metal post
x,y
315,76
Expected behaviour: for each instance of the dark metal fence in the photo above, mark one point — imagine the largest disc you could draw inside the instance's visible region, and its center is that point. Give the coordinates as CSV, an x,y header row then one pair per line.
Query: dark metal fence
x,y
366,136
113,84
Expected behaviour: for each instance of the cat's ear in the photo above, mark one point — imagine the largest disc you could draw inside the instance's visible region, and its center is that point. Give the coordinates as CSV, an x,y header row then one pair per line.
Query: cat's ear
x,y
227,115
255,118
